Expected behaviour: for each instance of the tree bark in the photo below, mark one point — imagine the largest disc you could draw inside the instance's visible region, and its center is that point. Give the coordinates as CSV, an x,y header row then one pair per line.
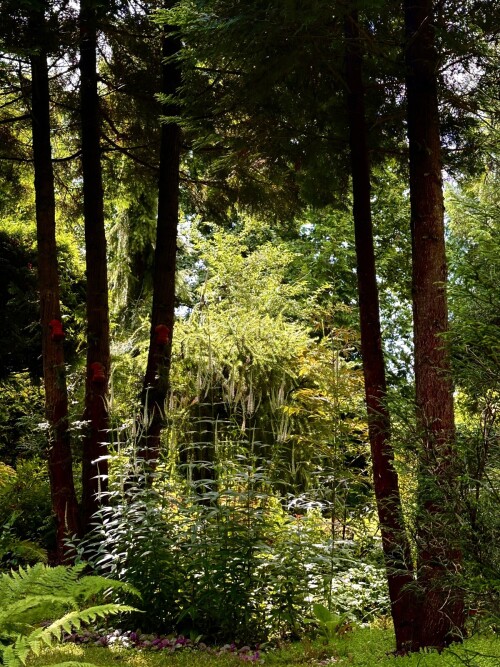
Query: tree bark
x,y
395,542
94,465
156,379
64,501
441,609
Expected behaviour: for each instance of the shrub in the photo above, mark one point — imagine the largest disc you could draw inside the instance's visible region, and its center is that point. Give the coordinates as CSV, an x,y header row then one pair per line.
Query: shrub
x,y
21,413
25,494
13,550
223,558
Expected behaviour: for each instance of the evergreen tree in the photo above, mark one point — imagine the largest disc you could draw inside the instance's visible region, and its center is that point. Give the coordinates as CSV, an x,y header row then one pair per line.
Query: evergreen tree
x,y
441,615
94,463
395,542
56,398
156,379
33,42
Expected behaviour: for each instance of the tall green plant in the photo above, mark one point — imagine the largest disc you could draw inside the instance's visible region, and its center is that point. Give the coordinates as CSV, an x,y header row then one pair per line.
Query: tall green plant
x,y
137,538
246,369
223,556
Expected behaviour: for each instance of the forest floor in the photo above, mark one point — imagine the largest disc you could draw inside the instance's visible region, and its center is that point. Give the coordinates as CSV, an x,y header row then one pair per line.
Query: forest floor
x,y
362,648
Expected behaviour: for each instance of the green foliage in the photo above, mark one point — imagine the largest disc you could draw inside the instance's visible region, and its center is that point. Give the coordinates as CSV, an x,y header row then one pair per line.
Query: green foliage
x,y
131,246
13,550
329,623
475,344
325,427
20,336
258,410
240,334
7,474
25,494
219,556
359,592
479,518
475,269
21,414
239,103
248,376
35,595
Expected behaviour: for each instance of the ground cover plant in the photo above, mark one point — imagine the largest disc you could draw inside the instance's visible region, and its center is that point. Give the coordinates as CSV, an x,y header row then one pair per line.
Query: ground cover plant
x,y
362,647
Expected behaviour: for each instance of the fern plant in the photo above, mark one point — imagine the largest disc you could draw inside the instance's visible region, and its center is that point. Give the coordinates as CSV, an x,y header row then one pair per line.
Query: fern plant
x,y
32,597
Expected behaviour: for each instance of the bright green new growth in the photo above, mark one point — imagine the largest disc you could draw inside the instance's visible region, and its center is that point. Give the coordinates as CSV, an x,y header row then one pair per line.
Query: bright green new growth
x,y
329,623
33,596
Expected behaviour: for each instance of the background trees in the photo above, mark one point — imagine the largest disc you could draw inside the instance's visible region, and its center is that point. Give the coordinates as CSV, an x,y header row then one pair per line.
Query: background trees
x,y
272,116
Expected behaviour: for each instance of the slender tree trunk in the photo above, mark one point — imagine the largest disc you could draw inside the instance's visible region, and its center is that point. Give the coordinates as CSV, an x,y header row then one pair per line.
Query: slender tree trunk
x,y
94,474
441,610
394,539
64,502
156,379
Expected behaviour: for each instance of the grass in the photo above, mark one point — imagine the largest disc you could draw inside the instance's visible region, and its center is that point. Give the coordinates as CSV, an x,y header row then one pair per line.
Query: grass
x,y
363,648
360,648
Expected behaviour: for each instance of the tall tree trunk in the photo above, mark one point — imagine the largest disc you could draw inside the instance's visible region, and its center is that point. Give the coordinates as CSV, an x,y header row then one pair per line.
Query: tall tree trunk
x,y
156,379
441,610
395,542
94,474
64,502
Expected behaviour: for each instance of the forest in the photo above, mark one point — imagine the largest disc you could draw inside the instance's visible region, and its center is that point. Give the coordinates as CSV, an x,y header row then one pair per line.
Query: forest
x,y
249,332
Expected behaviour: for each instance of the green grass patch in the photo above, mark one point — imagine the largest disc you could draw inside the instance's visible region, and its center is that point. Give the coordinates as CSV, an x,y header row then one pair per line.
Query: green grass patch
x,y
361,648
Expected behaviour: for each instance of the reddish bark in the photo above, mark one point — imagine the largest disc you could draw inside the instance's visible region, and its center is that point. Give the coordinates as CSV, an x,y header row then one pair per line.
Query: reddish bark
x,y
441,611
156,379
94,475
64,502
395,542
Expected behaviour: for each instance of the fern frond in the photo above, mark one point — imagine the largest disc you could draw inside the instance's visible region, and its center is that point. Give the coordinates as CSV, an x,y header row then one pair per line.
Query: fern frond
x,y
39,579
74,619
89,586
38,593
29,550
22,648
17,653
9,658
32,609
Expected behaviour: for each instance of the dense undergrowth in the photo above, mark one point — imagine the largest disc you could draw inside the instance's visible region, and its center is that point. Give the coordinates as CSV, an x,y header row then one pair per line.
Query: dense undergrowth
x,y
226,559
